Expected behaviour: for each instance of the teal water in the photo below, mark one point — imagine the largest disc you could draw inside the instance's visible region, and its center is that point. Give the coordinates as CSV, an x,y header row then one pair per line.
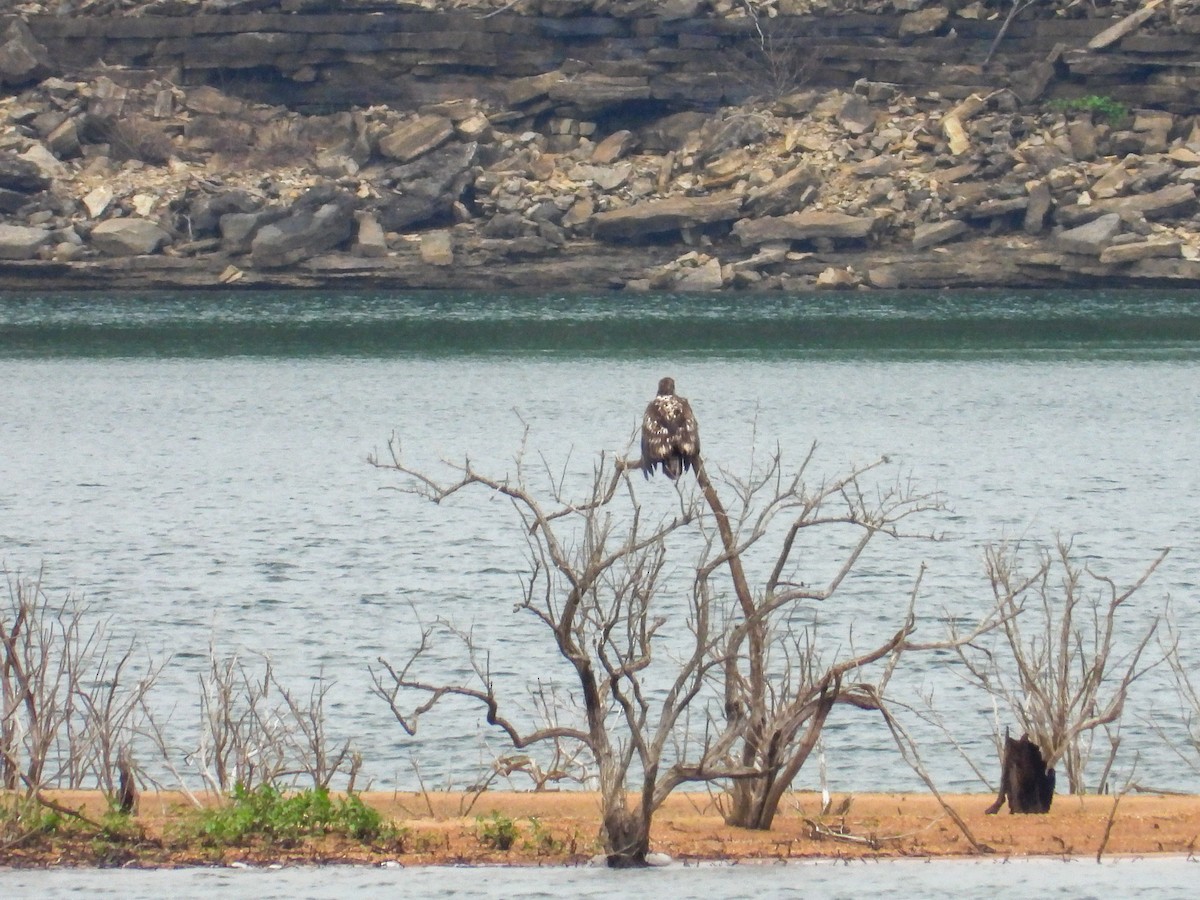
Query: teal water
x,y
194,468
380,325
962,879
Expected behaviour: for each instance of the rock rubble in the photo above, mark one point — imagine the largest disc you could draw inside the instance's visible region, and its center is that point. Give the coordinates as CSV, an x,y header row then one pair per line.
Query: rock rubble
x,y
123,176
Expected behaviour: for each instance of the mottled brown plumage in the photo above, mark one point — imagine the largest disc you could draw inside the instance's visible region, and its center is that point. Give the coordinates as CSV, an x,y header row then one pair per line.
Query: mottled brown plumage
x,y
670,436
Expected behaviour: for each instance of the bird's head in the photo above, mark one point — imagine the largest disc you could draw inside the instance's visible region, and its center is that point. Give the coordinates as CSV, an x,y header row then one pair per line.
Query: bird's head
x,y
666,386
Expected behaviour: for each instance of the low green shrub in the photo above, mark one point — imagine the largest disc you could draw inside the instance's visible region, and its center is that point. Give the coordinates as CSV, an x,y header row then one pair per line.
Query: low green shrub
x,y
1103,106
268,813
497,831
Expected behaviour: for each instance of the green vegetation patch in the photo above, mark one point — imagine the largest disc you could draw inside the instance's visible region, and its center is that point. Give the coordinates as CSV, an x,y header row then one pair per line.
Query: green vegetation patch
x,y
1102,106
267,813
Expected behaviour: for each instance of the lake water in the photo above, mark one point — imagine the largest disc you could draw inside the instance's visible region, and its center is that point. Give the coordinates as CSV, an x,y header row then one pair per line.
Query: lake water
x,y
194,468
1159,879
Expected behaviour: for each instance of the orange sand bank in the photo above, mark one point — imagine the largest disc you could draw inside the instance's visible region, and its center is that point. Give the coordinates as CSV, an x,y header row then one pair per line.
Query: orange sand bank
x,y
562,827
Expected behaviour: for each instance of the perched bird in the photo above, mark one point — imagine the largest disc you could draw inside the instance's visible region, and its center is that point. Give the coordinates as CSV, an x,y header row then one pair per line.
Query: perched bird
x,y
670,436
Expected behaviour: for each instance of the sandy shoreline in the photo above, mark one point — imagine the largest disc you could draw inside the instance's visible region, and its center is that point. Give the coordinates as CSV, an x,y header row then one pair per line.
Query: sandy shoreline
x,y
561,828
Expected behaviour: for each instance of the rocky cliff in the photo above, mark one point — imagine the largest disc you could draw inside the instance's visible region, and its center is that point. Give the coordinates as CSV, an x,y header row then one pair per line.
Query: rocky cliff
x,y
558,144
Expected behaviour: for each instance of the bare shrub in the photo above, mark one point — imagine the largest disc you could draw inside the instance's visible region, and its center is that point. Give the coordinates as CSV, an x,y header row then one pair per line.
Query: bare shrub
x,y
1063,660
253,731
135,137
1188,694
775,59
72,708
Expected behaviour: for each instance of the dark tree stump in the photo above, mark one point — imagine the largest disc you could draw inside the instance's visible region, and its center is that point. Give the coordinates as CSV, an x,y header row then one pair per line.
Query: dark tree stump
x,y
1024,779
127,791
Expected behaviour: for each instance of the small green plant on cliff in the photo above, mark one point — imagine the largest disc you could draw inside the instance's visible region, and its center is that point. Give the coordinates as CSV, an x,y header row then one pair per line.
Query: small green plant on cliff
x,y
1102,106
269,814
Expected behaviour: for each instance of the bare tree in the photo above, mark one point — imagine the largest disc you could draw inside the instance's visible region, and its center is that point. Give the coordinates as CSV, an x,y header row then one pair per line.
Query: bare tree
x,y
1061,663
594,585
745,701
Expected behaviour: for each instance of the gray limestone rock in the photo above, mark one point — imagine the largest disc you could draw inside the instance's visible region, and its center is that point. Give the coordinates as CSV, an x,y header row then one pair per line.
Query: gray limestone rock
x,y
789,192
307,230
429,187
128,237
416,138
21,175
19,242
933,233
1090,239
22,58
802,226
668,214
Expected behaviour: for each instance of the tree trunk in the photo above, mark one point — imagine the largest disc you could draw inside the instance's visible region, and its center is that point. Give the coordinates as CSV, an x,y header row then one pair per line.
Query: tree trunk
x,y
1024,779
626,838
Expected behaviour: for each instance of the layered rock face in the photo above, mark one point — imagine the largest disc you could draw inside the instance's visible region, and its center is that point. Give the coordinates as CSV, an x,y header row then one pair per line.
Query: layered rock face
x,y
665,146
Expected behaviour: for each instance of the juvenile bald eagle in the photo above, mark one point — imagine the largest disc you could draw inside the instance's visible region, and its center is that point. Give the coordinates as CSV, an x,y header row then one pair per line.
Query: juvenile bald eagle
x,y
670,436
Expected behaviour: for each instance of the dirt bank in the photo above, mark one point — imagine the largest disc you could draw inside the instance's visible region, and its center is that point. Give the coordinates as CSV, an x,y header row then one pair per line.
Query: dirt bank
x,y
560,828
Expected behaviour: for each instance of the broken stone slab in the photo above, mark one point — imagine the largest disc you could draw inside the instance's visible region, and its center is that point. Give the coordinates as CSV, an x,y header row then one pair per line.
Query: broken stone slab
x,y
856,115
428,187
877,166
211,102
923,21
1139,250
21,242
416,138
668,214
1090,239
832,278
11,201
765,255
997,208
1184,156
956,135
931,234
520,91
48,164
318,222
21,175
790,192
607,178
437,248
22,58
704,277
237,229
128,237
369,241
1041,200
578,213
1030,83
1172,200
614,147
802,226
1127,25
96,200
64,141
475,127
592,92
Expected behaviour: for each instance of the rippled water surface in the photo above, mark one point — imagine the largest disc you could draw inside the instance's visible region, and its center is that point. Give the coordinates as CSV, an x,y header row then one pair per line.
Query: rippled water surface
x,y
1154,879
194,467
